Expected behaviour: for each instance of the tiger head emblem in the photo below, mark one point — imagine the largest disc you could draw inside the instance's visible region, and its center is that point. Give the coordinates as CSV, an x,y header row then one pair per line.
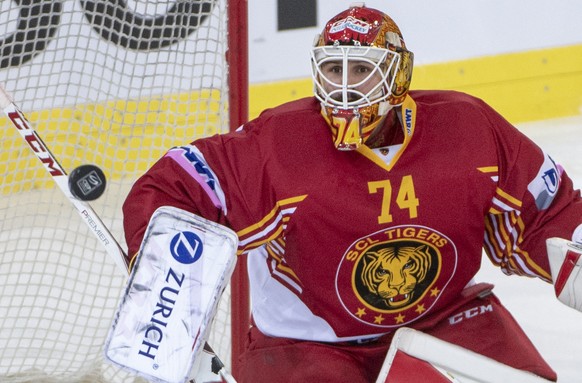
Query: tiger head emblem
x,y
396,276
393,277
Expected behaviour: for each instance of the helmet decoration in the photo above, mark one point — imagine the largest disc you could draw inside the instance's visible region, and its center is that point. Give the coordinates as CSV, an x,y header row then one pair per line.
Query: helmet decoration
x,y
361,69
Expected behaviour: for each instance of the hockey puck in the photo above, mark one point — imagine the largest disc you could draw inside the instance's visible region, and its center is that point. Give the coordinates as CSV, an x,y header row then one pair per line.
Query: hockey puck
x,y
87,182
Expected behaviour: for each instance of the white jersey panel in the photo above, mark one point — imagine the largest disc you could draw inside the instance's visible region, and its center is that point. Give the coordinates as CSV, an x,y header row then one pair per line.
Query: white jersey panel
x,y
279,312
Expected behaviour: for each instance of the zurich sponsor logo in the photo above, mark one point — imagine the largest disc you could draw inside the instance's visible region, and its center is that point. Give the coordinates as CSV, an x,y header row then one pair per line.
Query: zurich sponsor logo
x,y
186,247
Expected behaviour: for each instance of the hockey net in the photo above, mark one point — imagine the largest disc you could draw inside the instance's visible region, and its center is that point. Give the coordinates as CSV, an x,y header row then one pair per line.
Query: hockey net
x,y
113,83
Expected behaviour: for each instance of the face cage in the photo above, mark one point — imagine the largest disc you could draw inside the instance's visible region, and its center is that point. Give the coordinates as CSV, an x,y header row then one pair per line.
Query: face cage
x,y
385,62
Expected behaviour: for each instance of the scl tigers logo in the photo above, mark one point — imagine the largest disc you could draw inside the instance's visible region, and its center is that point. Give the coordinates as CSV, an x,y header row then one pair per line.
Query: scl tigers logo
x,y
395,276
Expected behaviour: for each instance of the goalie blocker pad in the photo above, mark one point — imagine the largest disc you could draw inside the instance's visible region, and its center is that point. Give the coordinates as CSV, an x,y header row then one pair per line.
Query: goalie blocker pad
x,y
162,323
565,259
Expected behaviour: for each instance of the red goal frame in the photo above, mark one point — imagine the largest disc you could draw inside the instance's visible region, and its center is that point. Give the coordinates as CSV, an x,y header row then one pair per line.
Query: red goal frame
x,y
238,82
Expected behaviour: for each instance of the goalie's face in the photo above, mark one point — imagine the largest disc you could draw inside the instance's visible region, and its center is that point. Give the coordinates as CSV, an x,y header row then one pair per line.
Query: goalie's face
x,y
359,79
354,86
361,69
350,77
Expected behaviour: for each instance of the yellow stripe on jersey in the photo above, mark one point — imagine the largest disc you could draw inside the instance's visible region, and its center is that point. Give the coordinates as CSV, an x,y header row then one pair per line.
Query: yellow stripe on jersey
x,y
539,270
488,169
508,197
509,246
492,210
270,227
271,214
280,265
253,245
500,253
495,250
504,238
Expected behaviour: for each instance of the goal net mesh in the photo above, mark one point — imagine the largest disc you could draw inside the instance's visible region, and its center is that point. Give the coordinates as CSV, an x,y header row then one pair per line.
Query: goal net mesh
x,y
114,83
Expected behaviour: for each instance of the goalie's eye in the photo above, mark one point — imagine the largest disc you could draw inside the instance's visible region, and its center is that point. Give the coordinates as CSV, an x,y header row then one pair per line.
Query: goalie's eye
x,y
362,69
357,71
331,68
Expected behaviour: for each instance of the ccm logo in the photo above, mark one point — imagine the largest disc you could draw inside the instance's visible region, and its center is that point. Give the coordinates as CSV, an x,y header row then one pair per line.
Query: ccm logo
x,y
35,143
470,313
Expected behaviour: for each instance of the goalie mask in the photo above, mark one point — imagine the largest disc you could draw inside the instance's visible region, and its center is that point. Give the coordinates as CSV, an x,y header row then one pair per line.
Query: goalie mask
x,y
361,69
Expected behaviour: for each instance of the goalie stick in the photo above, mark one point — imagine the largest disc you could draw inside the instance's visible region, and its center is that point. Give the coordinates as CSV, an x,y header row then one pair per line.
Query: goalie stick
x,y
86,212
38,147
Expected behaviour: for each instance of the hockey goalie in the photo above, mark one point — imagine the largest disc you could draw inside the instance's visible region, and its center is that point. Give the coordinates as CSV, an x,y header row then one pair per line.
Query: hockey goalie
x,y
364,211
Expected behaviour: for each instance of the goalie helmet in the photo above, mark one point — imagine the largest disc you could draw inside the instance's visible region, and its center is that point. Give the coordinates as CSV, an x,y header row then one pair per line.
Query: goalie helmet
x,y
361,69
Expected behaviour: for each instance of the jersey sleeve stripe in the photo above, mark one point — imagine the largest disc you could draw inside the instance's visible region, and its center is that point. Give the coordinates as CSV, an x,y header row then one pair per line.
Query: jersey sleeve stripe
x,y
497,249
504,233
488,169
293,284
507,198
257,226
254,244
275,253
270,227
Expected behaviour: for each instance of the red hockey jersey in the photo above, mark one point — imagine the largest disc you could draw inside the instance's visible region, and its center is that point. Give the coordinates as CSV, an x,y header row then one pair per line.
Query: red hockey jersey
x,y
347,245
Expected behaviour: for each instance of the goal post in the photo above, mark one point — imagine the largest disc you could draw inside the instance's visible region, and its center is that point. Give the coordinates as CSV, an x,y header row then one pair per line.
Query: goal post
x,y
238,113
113,83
